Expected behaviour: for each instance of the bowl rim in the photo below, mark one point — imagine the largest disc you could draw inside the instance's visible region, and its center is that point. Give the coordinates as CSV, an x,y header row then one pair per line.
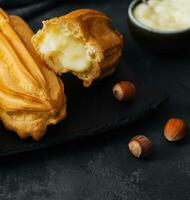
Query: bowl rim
x,y
145,27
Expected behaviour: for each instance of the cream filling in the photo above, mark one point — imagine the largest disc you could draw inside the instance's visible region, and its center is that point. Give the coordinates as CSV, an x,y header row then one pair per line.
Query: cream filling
x,y
65,51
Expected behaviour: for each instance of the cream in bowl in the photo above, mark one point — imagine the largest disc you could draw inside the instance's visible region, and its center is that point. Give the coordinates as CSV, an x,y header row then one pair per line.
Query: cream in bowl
x,y
164,15
163,25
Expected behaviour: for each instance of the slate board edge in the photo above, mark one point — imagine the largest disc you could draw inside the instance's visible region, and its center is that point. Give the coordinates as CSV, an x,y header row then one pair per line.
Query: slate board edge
x,y
163,97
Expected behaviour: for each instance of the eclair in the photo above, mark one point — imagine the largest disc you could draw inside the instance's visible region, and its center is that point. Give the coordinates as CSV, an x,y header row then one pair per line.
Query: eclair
x,y
31,95
80,42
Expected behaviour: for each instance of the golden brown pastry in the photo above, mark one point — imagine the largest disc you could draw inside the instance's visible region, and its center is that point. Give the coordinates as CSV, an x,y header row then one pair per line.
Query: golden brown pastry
x,y
31,96
81,42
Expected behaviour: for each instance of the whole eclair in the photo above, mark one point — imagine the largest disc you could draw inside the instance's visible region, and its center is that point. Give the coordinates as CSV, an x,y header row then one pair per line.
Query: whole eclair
x,y
31,96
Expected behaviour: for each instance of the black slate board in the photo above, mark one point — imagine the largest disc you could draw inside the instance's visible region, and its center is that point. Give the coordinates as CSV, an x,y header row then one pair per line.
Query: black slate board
x,y
90,110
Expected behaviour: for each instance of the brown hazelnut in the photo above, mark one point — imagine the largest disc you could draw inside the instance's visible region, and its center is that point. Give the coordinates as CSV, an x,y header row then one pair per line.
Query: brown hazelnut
x,y
175,129
140,146
124,90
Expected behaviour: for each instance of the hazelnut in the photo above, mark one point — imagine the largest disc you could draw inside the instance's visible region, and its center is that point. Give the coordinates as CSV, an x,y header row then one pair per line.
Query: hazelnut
x,y
140,146
124,90
175,129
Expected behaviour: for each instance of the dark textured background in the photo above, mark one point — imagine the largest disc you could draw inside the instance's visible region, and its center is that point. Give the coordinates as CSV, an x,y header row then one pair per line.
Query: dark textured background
x,y
101,168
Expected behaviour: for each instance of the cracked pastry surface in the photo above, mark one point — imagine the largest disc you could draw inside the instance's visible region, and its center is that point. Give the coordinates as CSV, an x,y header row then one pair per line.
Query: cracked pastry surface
x,y
31,96
81,42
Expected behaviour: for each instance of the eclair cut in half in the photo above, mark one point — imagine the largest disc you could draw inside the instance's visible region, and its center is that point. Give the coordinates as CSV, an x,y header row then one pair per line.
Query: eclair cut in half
x,y
81,42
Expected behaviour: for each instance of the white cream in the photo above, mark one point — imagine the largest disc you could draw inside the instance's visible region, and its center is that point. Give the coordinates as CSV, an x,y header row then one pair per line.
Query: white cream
x,y
70,53
164,15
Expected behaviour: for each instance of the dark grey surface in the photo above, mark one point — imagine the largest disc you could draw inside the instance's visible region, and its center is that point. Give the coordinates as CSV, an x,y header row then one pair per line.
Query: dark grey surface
x,y
101,168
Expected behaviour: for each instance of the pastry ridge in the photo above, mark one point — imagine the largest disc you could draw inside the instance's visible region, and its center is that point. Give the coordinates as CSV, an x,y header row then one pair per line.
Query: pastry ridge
x,y
31,95
92,28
